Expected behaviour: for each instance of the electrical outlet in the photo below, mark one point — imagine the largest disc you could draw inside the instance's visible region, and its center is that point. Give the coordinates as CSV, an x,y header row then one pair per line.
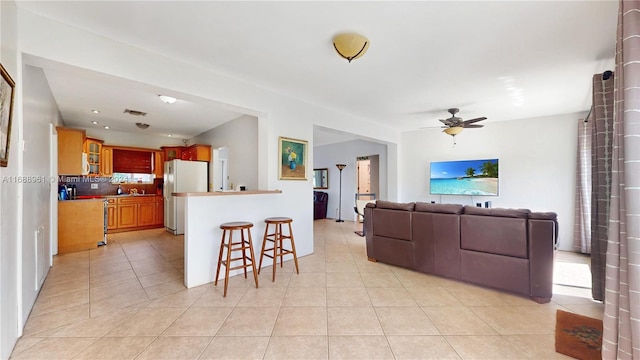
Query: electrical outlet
x,y
94,186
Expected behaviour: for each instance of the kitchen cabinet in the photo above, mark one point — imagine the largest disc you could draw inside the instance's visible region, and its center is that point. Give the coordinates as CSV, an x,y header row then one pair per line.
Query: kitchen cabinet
x,y
197,153
159,215
70,146
135,213
93,148
158,164
80,225
112,214
172,152
106,167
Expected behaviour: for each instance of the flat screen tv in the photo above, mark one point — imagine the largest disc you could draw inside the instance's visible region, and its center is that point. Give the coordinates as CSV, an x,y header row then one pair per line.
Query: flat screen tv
x,y
464,177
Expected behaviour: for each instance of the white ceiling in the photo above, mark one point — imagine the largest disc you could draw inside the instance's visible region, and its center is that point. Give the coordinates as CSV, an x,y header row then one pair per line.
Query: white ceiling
x,y
504,60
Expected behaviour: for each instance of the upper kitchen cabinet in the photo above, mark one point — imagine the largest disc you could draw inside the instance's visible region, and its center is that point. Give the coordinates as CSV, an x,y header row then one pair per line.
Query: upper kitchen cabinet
x,y
106,165
172,152
197,153
70,146
93,148
158,164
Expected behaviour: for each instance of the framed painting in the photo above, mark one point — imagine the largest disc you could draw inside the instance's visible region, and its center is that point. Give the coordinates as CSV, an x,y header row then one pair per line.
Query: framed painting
x,y
7,87
293,159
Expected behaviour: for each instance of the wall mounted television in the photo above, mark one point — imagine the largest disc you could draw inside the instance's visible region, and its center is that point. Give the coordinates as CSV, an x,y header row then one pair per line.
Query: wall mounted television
x,y
464,177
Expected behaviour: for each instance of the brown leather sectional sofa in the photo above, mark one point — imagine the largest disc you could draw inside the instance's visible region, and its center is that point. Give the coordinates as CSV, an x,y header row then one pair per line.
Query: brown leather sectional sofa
x,y
508,249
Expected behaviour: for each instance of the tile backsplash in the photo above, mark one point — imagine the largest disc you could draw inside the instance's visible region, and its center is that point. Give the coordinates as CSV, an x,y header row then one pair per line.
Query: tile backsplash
x,y
105,187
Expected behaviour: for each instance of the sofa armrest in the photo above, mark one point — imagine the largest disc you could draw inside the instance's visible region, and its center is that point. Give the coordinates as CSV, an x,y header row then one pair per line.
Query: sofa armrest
x,y
541,247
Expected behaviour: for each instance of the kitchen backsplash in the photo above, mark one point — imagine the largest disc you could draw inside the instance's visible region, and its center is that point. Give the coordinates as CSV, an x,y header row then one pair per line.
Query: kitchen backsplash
x,y
105,187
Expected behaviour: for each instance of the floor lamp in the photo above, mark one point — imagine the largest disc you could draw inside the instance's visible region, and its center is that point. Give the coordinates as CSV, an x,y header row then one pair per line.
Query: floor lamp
x,y
340,167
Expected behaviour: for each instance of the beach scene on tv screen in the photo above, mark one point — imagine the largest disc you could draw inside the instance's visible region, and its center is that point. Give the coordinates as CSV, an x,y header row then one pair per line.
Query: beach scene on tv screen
x,y
465,177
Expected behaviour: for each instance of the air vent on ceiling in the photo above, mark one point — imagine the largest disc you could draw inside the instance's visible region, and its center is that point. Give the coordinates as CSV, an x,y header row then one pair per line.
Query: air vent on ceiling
x,y
135,112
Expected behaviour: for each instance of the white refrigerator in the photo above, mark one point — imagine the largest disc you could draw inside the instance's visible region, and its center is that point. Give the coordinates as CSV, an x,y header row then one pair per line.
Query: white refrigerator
x,y
181,176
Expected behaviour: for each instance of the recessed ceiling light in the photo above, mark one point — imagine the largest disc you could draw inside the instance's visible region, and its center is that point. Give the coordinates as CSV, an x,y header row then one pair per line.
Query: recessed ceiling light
x,y
106,128
95,111
167,99
169,135
94,122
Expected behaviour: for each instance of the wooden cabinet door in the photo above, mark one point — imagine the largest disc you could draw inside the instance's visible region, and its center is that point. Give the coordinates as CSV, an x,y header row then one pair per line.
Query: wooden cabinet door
x,y
112,217
127,215
172,152
93,148
159,216
70,145
146,213
106,167
158,164
202,152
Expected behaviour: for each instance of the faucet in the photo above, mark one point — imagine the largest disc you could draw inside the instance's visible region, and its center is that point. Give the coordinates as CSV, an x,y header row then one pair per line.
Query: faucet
x,y
133,191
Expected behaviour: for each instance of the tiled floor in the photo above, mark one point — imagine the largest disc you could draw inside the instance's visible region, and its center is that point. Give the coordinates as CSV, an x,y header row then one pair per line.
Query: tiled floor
x,y
127,301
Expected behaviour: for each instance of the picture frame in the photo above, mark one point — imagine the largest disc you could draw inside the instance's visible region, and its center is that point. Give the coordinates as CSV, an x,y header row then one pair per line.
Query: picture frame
x,y
292,164
7,90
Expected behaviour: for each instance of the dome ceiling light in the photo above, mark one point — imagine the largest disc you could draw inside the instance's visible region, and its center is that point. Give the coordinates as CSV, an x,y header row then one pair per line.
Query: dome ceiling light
x,y
350,45
167,99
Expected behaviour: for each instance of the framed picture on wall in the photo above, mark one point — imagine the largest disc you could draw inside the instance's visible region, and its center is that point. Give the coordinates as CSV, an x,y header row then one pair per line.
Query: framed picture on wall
x,y
7,87
293,159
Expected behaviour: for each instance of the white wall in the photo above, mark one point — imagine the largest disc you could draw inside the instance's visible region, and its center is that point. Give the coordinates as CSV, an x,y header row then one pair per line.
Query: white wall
x,y
135,139
327,156
40,112
10,209
240,136
537,160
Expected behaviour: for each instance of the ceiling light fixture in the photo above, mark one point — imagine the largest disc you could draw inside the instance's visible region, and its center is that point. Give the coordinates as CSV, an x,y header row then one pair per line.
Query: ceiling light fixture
x,y
94,122
169,135
142,125
95,111
350,45
106,128
453,131
167,99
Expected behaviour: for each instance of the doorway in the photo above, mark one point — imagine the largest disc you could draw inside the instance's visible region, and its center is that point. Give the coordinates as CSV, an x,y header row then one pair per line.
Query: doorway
x,y
367,178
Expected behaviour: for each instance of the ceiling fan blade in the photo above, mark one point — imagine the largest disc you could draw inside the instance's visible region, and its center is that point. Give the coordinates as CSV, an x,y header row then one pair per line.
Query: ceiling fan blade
x,y
472,126
475,120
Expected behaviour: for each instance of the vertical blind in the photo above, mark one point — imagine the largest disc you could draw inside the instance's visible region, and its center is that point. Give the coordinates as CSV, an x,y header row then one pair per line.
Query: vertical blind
x,y
131,161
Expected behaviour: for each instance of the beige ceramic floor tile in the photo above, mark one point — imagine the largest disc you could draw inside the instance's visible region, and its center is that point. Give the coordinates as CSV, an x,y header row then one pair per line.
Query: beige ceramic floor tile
x,y
214,297
112,276
250,321
261,297
160,278
472,295
116,288
416,279
485,347
175,347
120,348
282,278
182,299
536,346
24,343
108,305
381,280
359,347
421,347
306,297
198,321
405,320
95,326
308,280
512,320
344,296
353,321
456,320
297,347
433,296
56,348
304,320
45,305
390,297
165,289
236,348
147,322
595,311
39,324
345,266
344,279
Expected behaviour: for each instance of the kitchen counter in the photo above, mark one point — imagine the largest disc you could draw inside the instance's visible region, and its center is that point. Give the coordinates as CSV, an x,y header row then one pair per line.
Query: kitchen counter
x,y
227,193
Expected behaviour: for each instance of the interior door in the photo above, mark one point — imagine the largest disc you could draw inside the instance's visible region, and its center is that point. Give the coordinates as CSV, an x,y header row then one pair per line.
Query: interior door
x,y
364,176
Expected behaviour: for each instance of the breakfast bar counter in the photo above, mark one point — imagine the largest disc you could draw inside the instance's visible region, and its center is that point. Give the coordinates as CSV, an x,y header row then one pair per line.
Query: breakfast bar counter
x,y
204,212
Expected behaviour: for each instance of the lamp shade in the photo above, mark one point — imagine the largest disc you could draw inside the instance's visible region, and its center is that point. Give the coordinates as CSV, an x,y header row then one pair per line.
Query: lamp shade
x,y
341,166
350,45
453,131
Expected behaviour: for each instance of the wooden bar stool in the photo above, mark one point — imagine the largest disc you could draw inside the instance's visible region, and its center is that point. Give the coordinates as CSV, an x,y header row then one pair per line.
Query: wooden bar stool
x,y
276,238
242,245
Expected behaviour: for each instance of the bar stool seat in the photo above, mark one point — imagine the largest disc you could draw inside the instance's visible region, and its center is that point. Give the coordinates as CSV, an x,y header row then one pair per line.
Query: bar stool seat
x,y
231,246
277,237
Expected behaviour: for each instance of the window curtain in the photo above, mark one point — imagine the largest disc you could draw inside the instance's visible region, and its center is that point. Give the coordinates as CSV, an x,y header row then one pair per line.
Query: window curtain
x,y
582,221
621,337
601,152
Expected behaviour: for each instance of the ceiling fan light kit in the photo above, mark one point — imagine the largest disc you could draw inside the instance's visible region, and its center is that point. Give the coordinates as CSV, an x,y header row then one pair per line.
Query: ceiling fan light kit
x,y
453,131
454,125
350,45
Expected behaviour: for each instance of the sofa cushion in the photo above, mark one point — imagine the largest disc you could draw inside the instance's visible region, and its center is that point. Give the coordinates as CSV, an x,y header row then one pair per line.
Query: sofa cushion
x,y
494,234
513,213
381,204
543,215
439,208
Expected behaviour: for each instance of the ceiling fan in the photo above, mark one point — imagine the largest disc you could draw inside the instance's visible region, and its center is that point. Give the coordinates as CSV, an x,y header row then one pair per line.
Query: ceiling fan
x,y
454,125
